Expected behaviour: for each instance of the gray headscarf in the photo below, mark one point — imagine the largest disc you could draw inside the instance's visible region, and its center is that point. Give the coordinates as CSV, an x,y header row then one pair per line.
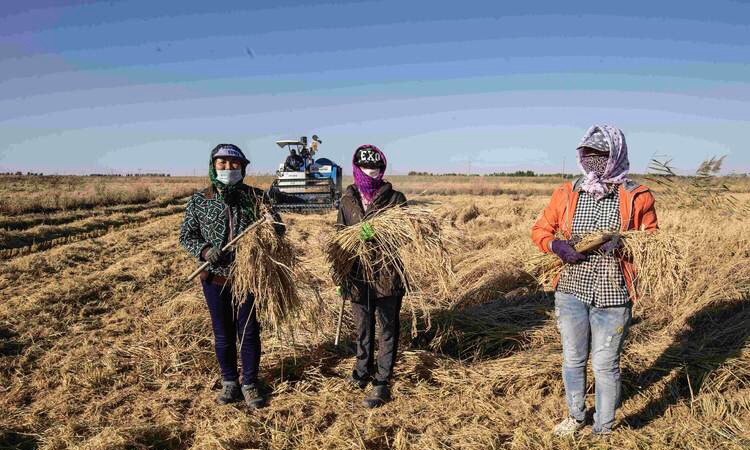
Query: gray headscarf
x,y
610,139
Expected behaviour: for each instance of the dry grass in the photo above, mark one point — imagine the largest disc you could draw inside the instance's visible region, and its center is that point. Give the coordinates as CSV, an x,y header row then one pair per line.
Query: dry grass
x,y
103,347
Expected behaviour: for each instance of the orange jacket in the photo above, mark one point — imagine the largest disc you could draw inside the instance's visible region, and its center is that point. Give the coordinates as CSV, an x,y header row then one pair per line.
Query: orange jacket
x,y
637,212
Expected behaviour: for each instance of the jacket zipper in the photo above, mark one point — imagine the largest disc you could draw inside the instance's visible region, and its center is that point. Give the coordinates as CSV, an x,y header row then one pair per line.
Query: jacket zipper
x,y
231,222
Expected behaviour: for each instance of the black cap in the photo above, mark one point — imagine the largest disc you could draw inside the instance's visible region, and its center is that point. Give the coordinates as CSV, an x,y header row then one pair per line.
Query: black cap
x,y
369,157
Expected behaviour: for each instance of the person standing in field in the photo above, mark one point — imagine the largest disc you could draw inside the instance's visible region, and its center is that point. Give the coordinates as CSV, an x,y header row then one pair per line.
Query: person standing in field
x,y
382,298
213,217
594,293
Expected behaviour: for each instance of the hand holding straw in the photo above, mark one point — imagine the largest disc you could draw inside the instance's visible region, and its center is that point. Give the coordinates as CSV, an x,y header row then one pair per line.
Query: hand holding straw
x,y
227,247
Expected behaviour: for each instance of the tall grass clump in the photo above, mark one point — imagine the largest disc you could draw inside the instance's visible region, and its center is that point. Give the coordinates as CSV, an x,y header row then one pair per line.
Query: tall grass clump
x,y
704,189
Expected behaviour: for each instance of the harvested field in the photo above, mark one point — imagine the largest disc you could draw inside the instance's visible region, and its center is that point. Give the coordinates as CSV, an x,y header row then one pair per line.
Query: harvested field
x,y
103,346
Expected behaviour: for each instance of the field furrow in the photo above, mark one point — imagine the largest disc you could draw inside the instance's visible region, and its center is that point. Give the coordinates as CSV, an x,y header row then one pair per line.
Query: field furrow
x,y
26,221
43,237
26,274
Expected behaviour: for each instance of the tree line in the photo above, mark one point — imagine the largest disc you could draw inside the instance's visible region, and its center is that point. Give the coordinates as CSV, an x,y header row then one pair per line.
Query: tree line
x,y
41,174
518,173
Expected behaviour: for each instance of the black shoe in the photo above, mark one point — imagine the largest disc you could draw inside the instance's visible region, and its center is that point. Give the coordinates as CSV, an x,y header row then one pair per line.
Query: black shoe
x,y
230,393
254,399
378,396
359,382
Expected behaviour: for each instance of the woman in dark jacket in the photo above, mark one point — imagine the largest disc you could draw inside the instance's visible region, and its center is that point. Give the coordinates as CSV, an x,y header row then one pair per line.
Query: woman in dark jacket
x,y
381,297
212,218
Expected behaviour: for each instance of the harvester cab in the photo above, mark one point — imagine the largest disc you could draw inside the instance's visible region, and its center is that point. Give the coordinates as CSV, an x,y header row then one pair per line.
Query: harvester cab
x,y
304,183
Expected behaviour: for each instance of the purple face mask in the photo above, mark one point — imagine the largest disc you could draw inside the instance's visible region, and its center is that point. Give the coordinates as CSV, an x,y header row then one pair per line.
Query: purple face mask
x,y
368,186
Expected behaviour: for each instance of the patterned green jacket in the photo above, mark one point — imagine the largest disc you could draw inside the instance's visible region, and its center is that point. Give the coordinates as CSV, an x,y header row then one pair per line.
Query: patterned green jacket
x,y
210,221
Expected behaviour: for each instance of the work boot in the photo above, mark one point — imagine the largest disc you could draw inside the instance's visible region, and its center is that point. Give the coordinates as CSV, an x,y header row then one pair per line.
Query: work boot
x,y
378,396
357,381
253,397
230,393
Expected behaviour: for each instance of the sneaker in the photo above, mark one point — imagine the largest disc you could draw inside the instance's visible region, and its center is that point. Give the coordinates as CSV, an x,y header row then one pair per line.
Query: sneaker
x,y
230,393
568,427
253,397
357,381
378,396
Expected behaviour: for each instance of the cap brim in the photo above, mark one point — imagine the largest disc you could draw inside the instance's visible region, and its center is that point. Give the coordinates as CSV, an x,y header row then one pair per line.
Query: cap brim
x,y
370,165
586,147
242,160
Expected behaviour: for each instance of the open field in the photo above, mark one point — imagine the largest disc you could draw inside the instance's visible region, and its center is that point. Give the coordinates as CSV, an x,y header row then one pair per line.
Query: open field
x,y
103,346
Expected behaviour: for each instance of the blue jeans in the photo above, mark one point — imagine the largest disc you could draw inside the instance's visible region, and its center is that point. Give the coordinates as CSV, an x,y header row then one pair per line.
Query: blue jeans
x,y
231,324
603,331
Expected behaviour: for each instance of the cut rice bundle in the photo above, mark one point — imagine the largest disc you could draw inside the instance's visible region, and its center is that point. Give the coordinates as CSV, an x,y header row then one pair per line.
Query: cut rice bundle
x,y
659,259
266,265
407,243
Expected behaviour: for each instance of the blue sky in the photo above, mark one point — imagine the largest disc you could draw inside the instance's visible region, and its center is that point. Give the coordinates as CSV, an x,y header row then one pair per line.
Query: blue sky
x,y
123,86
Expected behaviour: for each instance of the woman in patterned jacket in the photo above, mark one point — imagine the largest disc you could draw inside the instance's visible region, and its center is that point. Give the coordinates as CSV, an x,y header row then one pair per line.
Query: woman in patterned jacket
x,y
594,293
212,218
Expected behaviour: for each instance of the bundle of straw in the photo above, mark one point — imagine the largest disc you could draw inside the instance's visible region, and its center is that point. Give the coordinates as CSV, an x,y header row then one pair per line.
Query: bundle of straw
x,y
659,258
265,265
407,243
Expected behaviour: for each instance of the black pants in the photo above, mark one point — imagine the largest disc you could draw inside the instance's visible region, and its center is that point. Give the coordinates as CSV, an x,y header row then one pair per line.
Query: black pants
x,y
387,311
230,325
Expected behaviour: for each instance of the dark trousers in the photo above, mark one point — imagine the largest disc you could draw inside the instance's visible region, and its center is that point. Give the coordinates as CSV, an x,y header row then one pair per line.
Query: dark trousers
x,y
387,311
232,324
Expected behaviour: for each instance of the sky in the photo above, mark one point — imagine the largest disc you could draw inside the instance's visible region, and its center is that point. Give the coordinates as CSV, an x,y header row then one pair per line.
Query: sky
x,y
480,86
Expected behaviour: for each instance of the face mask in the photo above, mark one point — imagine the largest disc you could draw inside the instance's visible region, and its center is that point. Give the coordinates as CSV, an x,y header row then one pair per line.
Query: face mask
x,y
595,164
372,173
229,177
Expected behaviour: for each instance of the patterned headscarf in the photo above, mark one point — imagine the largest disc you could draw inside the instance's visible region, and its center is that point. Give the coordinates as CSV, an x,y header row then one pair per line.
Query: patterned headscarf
x,y
234,194
615,171
366,185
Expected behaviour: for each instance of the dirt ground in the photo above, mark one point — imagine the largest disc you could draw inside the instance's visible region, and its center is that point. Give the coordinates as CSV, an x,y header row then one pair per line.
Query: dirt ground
x,y
104,346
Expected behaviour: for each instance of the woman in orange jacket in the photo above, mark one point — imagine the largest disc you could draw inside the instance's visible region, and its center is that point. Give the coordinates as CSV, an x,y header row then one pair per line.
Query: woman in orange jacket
x,y
594,293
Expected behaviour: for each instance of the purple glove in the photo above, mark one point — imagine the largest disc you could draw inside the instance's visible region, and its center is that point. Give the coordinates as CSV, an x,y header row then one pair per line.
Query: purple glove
x,y
611,246
566,252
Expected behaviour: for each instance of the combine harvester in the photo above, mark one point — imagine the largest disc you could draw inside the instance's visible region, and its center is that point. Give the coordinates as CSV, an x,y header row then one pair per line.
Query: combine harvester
x,y
304,183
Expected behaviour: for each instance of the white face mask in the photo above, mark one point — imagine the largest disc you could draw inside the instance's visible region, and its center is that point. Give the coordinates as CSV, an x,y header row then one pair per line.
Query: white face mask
x,y
229,177
372,173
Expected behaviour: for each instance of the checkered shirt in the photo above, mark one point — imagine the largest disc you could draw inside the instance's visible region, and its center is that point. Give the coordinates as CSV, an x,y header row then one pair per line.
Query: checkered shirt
x,y
597,281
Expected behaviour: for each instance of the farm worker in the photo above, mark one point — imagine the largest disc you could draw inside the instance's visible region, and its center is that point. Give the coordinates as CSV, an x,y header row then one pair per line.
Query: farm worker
x,y
594,293
212,218
368,195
